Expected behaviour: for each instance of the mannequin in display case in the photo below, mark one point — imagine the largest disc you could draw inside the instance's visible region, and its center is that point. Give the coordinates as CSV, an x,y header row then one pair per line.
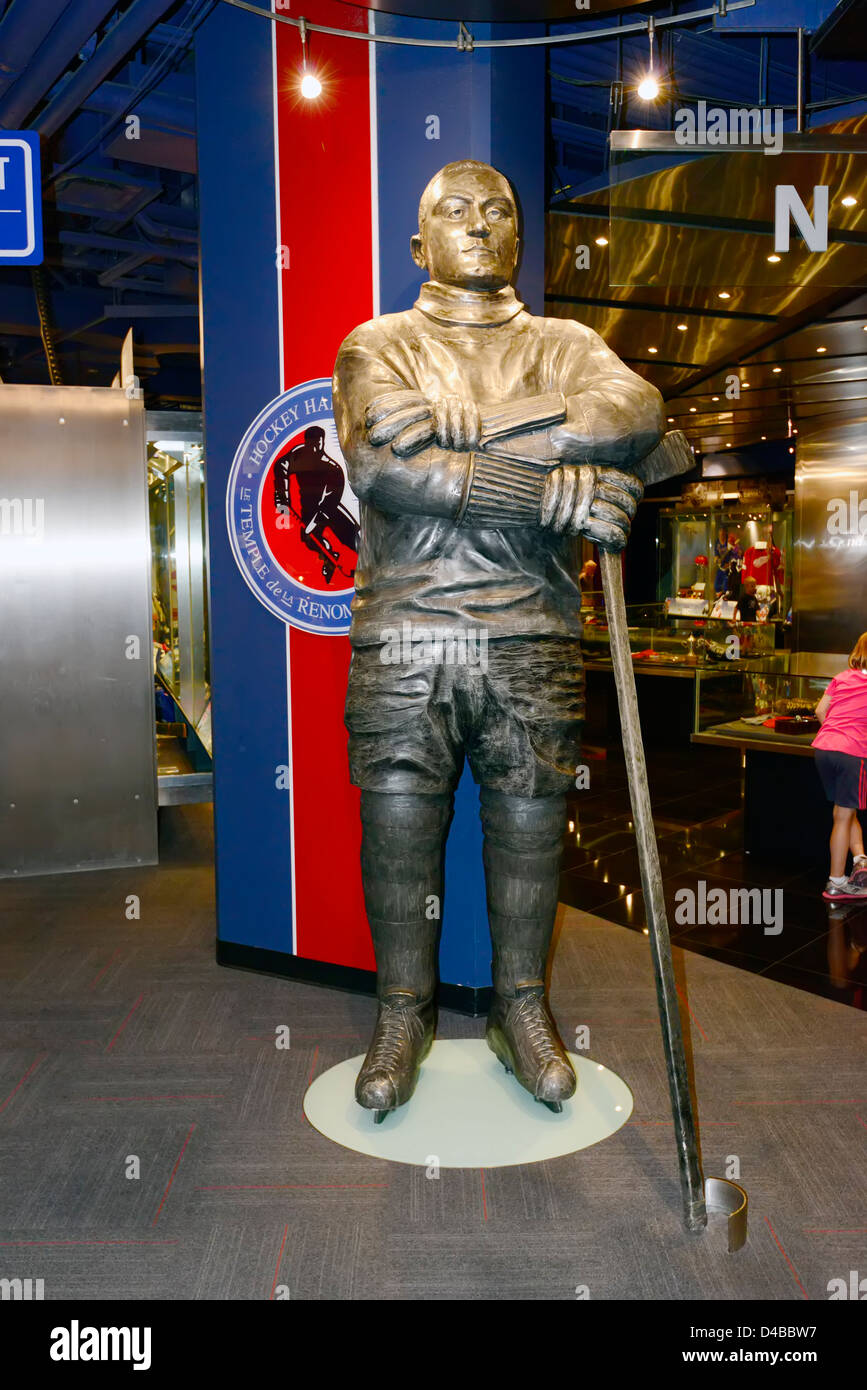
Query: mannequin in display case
x,y
764,563
480,440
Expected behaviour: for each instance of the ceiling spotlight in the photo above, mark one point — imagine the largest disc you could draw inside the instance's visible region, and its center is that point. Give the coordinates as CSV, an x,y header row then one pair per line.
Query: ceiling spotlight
x,y
728,446
764,436
681,328
602,241
653,349
714,398
311,87
648,87
791,449
723,294
692,410
745,385
778,369
671,419
821,349
848,201
773,259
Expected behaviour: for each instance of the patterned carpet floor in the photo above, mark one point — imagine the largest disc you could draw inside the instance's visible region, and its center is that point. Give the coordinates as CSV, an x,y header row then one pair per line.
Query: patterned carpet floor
x,y
153,1145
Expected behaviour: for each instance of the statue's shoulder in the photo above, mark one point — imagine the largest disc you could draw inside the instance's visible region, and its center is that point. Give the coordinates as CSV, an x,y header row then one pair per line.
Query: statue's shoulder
x,y
379,332
565,330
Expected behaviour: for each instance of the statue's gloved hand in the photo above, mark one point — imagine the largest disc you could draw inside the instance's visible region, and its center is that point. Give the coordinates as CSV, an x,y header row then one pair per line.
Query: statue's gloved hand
x,y
408,422
599,503
458,423
403,419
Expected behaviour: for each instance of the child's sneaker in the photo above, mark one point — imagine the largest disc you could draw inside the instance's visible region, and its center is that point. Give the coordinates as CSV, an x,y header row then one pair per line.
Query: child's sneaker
x,y
836,892
858,875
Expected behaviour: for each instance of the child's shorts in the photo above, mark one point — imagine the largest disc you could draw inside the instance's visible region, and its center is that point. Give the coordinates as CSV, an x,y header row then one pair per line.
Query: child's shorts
x,y
844,778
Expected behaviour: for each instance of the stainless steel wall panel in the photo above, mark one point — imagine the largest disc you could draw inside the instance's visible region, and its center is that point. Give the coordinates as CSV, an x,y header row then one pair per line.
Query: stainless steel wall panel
x,y
830,580
77,749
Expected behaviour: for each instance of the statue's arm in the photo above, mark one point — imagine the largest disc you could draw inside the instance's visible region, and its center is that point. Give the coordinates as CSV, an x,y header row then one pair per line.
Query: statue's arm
x,y
385,425
613,415
607,413
431,481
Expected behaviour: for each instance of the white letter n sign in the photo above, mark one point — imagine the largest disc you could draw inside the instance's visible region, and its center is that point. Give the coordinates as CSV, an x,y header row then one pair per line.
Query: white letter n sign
x,y
787,203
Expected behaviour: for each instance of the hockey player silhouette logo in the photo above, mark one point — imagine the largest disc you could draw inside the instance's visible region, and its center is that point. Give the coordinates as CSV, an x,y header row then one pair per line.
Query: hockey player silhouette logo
x,y
291,514
308,488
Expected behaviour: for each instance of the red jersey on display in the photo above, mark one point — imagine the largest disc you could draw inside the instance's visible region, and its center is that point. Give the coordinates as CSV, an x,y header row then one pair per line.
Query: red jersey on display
x,y
757,566
845,726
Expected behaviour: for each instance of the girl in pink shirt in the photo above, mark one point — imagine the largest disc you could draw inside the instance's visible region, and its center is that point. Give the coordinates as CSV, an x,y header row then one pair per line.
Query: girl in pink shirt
x,y
841,760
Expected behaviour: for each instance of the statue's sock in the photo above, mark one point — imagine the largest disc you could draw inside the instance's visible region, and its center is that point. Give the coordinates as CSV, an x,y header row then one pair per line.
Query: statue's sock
x,y
401,871
523,845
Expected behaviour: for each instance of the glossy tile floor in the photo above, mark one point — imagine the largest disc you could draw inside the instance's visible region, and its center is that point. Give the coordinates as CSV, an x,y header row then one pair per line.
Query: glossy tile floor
x,y
697,805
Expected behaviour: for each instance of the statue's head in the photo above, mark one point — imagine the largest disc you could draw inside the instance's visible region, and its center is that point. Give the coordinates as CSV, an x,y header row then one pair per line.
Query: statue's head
x,y
467,227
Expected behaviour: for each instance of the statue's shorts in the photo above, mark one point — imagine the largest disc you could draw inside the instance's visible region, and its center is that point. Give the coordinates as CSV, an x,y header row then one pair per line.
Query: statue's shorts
x,y
514,711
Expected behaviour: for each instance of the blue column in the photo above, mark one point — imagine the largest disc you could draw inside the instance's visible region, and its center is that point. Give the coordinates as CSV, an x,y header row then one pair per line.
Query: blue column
x,y
435,106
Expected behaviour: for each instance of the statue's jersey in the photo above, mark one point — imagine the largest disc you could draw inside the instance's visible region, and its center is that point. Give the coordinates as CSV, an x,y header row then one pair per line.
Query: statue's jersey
x,y
416,563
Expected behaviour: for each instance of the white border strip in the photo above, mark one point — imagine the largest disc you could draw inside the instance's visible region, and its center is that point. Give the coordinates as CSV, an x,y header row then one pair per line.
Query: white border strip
x,y
288,638
374,169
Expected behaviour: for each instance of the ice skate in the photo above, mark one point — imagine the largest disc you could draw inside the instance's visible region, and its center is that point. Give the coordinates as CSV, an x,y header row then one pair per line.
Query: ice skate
x,y
522,1034
402,1039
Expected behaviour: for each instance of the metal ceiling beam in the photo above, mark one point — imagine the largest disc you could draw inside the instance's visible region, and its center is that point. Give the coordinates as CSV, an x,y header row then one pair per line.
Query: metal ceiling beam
x,y
120,40
22,30
151,311
153,224
694,222
72,30
167,111
649,308
658,362
94,241
820,141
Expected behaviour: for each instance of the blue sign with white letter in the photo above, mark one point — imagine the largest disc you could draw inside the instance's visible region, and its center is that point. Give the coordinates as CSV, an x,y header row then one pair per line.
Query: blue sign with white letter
x,y
20,198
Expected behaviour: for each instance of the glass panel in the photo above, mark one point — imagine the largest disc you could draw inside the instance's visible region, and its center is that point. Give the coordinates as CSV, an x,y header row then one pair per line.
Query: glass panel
x,y
705,557
176,485
682,215
773,687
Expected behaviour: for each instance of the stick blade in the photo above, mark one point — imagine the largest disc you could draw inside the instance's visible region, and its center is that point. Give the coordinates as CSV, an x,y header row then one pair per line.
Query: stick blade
x,y
671,457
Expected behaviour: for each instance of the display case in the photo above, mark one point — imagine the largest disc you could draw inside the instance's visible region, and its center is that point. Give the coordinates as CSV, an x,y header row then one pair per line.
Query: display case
x,y
704,556
768,714
176,494
683,667
771,705
659,638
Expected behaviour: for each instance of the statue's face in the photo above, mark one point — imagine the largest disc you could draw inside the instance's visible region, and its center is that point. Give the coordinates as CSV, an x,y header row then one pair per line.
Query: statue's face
x,y
469,236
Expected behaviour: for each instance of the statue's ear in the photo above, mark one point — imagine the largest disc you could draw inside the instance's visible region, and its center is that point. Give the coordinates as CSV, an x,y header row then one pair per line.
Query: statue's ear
x,y
416,251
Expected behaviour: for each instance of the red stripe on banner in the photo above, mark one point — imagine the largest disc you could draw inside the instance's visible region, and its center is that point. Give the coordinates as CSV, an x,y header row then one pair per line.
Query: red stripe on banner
x,y
324,161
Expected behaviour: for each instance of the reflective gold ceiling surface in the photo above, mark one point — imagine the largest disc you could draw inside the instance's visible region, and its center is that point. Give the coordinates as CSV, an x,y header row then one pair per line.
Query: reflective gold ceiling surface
x,y
757,325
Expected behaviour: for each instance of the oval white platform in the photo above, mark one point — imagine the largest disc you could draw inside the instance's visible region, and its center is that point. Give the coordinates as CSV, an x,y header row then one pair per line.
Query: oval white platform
x,y
467,1112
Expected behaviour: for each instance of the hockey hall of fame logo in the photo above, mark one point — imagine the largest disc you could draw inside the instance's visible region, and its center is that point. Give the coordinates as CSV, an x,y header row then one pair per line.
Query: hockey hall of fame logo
x,y
291,514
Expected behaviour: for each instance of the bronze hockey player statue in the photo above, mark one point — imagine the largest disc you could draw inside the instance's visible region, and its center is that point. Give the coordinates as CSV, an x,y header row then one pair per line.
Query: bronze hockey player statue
x,y
479,440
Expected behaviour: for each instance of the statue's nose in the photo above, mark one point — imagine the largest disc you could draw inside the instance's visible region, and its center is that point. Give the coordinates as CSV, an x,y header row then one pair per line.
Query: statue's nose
x,y
479,226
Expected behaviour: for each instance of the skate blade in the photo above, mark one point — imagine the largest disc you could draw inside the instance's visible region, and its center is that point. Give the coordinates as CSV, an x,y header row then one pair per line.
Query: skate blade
x,y
379,1116
555,1106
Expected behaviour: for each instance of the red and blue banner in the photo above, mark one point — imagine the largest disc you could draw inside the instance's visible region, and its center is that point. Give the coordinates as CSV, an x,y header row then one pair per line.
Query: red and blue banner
x,y
307,208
